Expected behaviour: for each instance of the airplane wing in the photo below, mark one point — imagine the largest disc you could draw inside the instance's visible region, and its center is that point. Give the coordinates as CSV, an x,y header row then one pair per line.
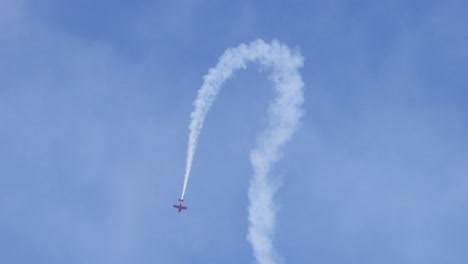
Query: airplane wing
x,y
184,207
176,206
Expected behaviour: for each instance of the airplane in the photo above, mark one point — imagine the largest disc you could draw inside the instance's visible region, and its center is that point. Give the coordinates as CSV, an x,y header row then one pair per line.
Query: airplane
x,y
180,207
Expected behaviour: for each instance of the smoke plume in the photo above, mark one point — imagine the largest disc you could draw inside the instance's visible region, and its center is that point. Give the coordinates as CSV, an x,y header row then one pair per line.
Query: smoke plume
x,y
284,115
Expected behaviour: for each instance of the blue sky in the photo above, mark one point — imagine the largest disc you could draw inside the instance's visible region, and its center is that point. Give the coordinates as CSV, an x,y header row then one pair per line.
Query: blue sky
x,y
95,98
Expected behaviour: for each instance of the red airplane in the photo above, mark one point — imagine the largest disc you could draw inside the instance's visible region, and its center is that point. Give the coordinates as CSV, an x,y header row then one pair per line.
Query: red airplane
x,y
180,207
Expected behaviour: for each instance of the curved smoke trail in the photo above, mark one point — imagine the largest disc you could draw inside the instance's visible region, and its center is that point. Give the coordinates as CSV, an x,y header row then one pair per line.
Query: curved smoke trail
x,y
283,119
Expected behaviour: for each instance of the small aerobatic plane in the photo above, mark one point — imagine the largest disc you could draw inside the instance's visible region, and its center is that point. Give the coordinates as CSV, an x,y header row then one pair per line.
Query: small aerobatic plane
x,y
180,207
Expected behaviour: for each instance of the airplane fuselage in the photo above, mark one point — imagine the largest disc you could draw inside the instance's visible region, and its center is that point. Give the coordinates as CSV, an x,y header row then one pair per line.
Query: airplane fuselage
x,y
180,207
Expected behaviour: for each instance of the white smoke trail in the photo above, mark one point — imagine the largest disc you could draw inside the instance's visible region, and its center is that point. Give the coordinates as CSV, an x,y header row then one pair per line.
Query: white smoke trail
x,y
283,114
